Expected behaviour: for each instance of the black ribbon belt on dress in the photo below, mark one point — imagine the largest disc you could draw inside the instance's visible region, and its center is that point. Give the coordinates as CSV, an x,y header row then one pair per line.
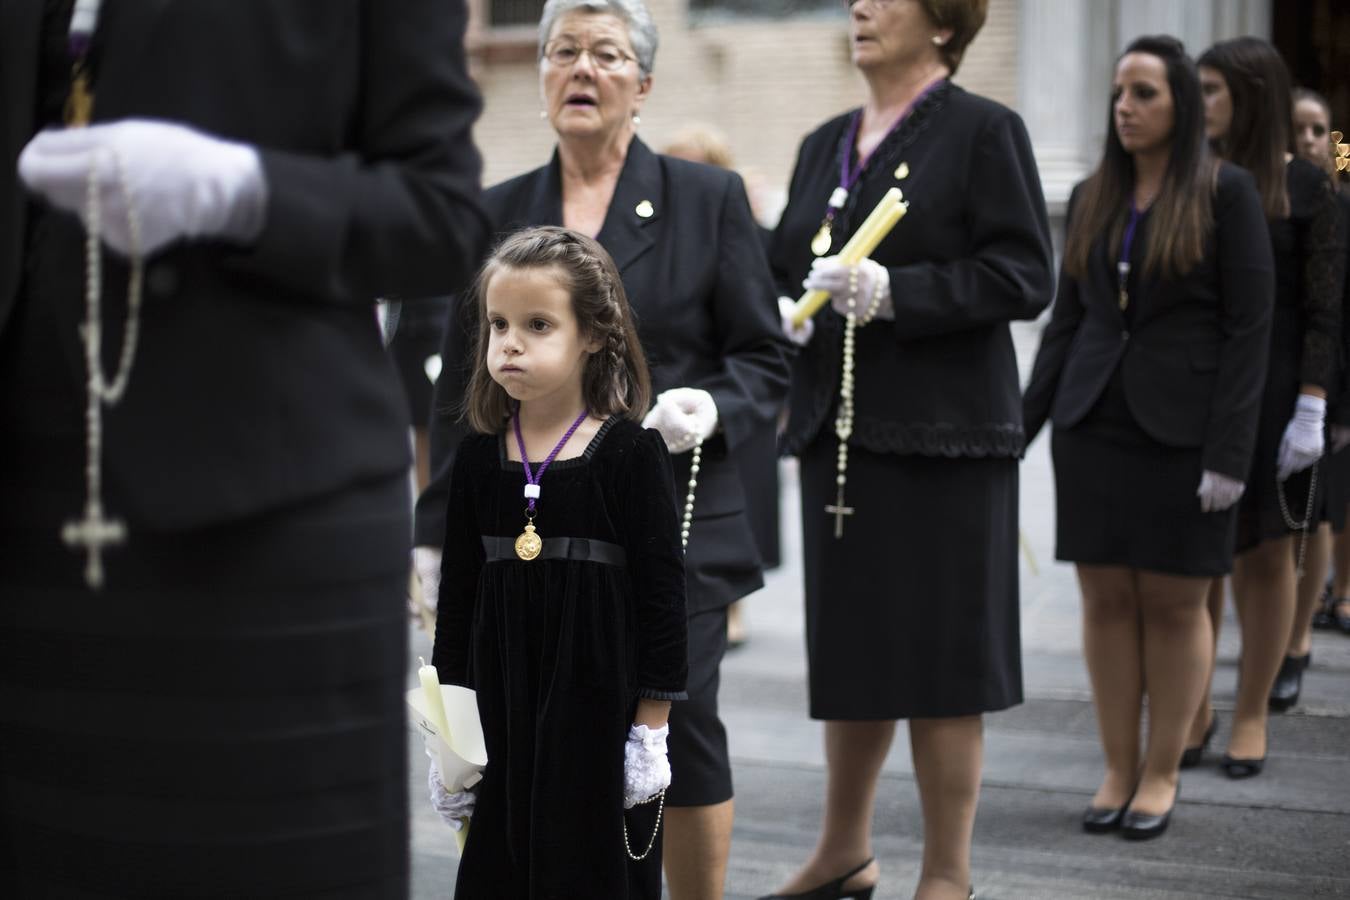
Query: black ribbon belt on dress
x,y
582,549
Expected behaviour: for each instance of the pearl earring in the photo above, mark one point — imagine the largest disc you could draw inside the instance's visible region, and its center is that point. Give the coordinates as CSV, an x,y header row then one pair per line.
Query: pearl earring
x,y
543,114
937,39
637,120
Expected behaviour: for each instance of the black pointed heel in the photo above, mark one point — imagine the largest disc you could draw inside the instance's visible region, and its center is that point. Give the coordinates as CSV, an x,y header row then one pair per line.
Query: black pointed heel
x,y
1192,756
833,890
1288,682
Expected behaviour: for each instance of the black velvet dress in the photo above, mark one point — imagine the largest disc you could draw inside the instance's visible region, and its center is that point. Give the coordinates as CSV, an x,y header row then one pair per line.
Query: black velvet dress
x,y
1305,339
559,649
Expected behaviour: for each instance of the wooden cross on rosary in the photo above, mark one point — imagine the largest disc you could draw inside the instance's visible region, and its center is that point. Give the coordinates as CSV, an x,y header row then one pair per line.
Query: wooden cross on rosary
x,y
839,510
93,533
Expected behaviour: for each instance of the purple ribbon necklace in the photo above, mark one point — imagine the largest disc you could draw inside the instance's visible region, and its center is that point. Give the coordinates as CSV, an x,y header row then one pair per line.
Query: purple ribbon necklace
x,y
529,544
1123,266
849,174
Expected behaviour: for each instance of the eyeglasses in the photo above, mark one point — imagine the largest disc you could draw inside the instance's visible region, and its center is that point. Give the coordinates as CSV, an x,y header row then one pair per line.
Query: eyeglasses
x,y
605,55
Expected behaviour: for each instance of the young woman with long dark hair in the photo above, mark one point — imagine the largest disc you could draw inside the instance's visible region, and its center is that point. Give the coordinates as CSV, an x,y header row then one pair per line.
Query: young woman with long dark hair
x,y
1151,371
1248,121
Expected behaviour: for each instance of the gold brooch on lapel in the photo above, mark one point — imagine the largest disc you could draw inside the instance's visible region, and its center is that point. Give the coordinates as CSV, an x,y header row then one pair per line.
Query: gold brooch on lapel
x,y
902,171
645,209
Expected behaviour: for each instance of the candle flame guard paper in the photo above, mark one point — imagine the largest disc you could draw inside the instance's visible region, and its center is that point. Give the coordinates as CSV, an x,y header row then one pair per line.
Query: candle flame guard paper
x,y
870,233
456,741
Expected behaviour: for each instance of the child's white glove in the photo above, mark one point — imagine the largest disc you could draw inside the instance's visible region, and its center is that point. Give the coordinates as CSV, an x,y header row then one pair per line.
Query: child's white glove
x,y
452,806
684,416
646,766
184,184
427,563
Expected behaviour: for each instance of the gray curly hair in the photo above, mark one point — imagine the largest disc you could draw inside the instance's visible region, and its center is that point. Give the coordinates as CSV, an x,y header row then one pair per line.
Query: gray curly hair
x,y
641,28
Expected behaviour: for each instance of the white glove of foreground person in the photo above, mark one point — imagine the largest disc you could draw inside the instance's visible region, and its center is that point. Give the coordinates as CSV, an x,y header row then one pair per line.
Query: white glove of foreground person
x,y
799,336
646,765
183,184
1302,444
832,276
427,564
684,416
1218,492
451,806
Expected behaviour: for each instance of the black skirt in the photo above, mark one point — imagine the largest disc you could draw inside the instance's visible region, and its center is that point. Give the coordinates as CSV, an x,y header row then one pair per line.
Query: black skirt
x,y
1123,499
1335,475
224,719
913,613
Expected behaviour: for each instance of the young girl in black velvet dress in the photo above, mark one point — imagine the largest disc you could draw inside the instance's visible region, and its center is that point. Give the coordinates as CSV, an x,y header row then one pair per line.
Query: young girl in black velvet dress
x,y
562,593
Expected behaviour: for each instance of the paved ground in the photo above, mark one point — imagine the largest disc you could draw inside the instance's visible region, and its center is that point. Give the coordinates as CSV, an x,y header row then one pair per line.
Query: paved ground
x,y
1283,835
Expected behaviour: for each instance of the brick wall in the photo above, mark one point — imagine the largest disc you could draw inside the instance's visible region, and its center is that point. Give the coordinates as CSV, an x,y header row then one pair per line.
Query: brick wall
x,y
762,83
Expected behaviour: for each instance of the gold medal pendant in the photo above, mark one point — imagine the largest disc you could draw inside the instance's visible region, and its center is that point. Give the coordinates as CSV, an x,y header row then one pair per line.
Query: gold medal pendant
x,y
528,544
820,244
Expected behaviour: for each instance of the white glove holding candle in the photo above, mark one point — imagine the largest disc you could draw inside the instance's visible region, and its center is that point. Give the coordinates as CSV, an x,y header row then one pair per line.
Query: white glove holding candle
x,y
452,806
1302,444
427,564
799,336
1218,492
831,275
646,765
683,416
183,184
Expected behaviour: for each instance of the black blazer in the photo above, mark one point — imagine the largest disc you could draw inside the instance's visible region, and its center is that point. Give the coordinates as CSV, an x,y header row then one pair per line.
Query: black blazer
x,y
972,253
1193,359
261,378
707,316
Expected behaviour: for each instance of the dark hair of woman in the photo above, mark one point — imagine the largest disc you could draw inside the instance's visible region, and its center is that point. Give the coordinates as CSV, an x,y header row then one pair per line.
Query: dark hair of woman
x,y
964,17
1261,132
615,380
1182,213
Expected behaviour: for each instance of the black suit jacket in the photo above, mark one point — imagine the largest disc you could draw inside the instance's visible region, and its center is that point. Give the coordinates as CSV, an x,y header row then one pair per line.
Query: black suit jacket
x,y
261,378
972,253
1193,360
707,316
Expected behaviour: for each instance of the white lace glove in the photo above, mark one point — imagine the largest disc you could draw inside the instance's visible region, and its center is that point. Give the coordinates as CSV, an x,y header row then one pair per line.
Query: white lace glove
x,y
1218,492
452,806
1340,437
799,336
1302,444
646,765
832,276
427,564
184,184
684,416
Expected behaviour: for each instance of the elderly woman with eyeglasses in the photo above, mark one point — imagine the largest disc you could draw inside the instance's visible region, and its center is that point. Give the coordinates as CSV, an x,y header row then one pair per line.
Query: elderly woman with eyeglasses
x,y
687,249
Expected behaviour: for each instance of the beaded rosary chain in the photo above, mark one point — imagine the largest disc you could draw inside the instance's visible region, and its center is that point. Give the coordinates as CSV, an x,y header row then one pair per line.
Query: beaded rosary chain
x,y
695,459
1302,527
95,531
843,423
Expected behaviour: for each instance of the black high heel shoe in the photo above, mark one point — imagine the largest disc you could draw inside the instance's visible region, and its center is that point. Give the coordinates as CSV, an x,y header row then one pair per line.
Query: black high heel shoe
x,y
1235,767
833,890
1137,826
1191,756
1288,682
1102,819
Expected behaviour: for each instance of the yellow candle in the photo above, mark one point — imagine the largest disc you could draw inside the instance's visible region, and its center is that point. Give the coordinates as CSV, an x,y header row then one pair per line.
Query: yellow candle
x,y
870,233
431,688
